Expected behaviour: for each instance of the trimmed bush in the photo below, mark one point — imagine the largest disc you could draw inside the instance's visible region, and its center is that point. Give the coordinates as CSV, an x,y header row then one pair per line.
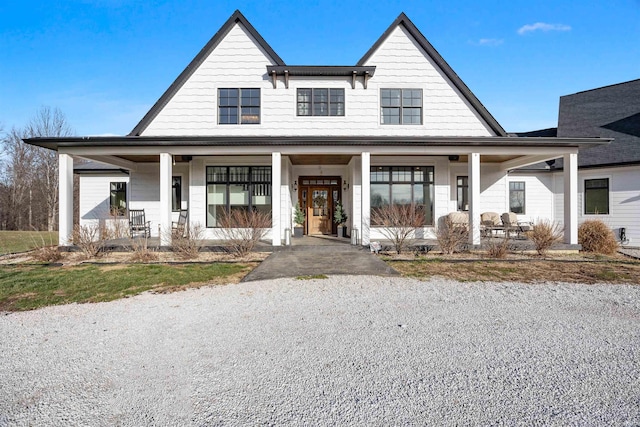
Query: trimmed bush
x,y
595,236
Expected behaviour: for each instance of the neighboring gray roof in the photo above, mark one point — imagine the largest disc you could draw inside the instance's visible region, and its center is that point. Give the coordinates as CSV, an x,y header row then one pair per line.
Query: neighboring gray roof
x,y
403,20
237,17
606,112
550,132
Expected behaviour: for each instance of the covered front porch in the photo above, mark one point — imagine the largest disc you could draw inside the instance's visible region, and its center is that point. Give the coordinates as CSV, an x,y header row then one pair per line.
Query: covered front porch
x,y
346,164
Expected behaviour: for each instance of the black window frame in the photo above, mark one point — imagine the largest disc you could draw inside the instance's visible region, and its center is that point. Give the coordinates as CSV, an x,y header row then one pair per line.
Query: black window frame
x,y
120,188
462,189
335,97
514,191
256,179
592,189
237,105
402,106
405,175
176,193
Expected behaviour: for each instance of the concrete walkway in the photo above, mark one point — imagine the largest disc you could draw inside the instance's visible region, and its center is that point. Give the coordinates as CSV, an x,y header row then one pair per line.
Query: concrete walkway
x,y
320,257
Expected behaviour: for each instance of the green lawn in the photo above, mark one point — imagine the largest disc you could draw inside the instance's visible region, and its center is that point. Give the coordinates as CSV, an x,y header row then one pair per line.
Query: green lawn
x,y
26,287
21,241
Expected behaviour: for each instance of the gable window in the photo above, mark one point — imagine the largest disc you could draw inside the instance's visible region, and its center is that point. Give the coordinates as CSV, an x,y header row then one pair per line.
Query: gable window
x,y
118,198
176,193
462,191
596,196
237,187
401,106
516,197
320,102
403,186
238,106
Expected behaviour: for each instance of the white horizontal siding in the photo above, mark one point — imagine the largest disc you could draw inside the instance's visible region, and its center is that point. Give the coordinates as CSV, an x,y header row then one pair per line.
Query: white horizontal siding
x,y
539,197
239,62
94,194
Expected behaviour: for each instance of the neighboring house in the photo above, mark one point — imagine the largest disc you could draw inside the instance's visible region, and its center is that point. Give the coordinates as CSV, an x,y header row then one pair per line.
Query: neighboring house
x,y
608,176
240,129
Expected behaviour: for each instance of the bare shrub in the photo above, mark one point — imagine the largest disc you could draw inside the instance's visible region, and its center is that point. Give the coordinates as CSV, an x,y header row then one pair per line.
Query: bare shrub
x,y
398,223
140,251
243,229
91,239
498,248
45,251
544,234
187,241
595,236
451,237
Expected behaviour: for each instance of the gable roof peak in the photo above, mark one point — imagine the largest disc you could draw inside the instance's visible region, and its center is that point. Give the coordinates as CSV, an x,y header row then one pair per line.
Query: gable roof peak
x,y
404,20
236,18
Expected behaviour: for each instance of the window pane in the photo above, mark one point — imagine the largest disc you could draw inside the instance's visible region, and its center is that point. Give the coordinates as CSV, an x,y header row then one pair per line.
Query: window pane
x,y
304,102
423,198
596,194
250,97
379,195
228,97
401,174
412,116
401,194
321,102
379,174
390,116
239,174
228,115
239,196
118,198
412,98
176,193
250,115
516,197
216,174
390,97
216,203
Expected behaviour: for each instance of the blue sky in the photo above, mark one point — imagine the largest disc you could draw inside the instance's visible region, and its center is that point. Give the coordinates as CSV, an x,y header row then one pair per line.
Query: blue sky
x,y
104,63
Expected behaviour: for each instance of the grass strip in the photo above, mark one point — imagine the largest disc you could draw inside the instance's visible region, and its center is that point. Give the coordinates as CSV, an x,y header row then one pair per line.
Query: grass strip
x,y
27,287
22,241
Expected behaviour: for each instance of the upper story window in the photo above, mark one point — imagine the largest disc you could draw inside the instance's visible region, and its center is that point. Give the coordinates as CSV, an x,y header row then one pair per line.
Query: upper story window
x,y
320,102
238,106
401,106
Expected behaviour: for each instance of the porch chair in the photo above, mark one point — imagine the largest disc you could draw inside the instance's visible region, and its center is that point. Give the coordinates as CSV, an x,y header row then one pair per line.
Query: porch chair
x,y
490,222
138,223
179,227
512,225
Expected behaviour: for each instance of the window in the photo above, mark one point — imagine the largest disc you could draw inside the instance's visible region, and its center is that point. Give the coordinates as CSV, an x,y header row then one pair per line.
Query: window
x,y
462,191
401,106
320,102
237,187
238,106
596,196
176,193
403,186
118,198
516,197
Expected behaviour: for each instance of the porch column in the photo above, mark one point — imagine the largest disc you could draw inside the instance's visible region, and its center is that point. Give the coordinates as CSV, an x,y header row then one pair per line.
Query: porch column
x,y
366,198
65,198
474,198
571,198
276,200
166,169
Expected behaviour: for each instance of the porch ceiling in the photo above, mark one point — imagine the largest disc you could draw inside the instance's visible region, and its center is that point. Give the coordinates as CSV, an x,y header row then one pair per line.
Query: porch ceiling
x,y
321,159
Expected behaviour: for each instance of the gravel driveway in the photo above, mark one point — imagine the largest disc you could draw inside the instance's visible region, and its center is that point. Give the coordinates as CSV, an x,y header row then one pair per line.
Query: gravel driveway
x,y
345,350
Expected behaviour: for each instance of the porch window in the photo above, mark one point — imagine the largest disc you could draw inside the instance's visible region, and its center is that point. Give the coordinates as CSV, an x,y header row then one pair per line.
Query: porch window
x,y
403,185
516,197
320,102
238,106
118,198
237,187
176,193
401,106
596,196
462,191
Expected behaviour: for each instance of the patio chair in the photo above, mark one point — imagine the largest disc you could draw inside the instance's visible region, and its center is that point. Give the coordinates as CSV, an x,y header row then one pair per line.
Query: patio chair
x,y
512,225
179,227
138,223
459,219
490,222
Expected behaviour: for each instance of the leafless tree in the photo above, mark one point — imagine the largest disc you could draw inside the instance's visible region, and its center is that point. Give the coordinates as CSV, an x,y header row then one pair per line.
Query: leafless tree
x,y
398,223
29,175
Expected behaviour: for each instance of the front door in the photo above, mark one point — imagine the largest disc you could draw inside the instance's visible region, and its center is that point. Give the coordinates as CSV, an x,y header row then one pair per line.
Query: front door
x,y
318,211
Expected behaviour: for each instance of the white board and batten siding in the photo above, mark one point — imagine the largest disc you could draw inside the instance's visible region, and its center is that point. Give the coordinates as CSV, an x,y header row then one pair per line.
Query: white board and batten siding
x,y
624,199
239,62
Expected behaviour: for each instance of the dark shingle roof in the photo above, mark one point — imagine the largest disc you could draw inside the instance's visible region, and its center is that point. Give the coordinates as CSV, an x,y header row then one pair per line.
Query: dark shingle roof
x,y
607,112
